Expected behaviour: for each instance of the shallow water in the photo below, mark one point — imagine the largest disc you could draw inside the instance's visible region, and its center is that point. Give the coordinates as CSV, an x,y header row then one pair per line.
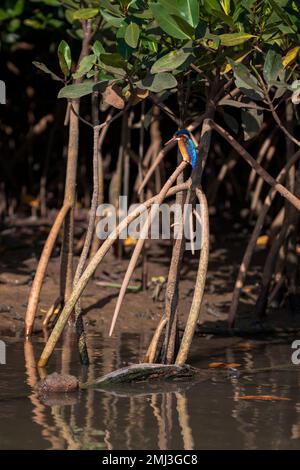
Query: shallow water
x,y
208,415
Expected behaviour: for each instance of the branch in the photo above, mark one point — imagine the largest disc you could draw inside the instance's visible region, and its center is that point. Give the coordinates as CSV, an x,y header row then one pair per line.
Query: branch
x,y
276,117
256,166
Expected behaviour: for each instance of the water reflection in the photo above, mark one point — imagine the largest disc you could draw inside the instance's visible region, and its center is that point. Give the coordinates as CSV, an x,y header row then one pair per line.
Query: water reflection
x,y
186,416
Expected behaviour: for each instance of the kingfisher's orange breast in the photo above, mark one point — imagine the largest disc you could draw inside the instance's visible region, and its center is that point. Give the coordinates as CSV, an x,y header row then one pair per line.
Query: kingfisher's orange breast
x,y
183,150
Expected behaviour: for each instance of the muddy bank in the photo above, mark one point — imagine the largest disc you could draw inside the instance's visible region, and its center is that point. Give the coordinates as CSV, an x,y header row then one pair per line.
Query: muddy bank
x,y
21,244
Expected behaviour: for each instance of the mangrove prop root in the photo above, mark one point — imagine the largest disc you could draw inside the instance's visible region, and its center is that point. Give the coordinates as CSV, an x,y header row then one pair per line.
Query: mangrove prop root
x,y
66,264
172,289
90,269
66,269
41,270
145,372
152,349
102,135
83,352
200,283
51,312
252,242
140,243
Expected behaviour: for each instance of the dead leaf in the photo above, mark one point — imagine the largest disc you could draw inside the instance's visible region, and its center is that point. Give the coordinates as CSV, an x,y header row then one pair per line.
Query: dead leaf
x,y
30,200
262,240
216,364
230,365
263,398
291,56
113,97
139,95
130,241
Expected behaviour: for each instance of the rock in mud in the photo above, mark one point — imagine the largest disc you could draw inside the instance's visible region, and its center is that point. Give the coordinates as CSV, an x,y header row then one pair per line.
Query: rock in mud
x,y
57,383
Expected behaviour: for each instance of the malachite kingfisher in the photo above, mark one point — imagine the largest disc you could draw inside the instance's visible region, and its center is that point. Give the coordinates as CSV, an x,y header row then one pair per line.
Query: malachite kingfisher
x,y
186,146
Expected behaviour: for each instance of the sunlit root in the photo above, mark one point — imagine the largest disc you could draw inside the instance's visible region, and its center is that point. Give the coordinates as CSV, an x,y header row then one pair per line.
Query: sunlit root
x,y
41,270
152,348
200,283
51,312
90,269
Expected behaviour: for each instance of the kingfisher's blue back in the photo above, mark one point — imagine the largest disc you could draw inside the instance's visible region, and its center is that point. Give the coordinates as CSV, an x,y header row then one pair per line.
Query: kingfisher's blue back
x,y
186,146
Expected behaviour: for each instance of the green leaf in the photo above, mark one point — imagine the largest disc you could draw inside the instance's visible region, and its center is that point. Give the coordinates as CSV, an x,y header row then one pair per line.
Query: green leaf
x,y
123,48
234,103
77,90
98,48
226,6
85,13
124,3
281,13
172,60
234,39
252,120
32,23
114,63
272,66
157,82
16,10
64,57
185,27
246,82
85,66
114,60
132,35
112,19
231,122
45,69
171,24
189,9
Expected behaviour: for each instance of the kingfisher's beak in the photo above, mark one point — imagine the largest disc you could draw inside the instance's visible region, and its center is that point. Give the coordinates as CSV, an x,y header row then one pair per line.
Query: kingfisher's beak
x,y
174,138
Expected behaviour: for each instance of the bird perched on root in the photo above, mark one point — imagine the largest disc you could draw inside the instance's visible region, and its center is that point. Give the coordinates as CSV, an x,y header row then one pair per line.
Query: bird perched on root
x,y
186,146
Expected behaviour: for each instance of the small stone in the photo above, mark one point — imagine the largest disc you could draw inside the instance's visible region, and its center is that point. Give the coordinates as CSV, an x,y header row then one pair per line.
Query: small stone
x,y
57,383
